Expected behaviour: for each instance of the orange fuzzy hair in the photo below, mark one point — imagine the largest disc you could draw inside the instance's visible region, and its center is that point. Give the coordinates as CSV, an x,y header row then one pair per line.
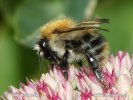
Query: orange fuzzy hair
x,y
61,24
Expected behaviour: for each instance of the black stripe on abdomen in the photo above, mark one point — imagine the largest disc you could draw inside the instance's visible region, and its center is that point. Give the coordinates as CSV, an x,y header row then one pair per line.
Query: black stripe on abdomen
x,y
95,44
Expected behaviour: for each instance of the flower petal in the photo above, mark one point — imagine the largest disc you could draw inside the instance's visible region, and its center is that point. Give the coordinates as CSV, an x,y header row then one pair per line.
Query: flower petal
x,y
50,81
130,93
126,61
123,84
69,92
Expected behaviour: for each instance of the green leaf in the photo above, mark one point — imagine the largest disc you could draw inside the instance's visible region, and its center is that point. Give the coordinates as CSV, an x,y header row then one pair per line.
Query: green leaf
x,y
32,14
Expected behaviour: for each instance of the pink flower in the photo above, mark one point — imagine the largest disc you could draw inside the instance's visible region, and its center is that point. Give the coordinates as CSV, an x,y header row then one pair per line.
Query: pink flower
x,y
81,84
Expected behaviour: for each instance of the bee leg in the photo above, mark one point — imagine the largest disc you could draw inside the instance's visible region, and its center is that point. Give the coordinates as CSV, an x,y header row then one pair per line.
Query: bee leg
x,y
64,60
64,63
52,57
95,67
93,63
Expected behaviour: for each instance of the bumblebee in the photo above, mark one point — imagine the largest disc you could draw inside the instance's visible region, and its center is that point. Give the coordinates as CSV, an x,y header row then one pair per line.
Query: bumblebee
x,y
64,41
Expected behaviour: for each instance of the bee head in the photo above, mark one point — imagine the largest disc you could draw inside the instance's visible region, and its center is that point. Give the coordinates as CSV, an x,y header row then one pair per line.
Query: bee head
x,y
48,31
41,47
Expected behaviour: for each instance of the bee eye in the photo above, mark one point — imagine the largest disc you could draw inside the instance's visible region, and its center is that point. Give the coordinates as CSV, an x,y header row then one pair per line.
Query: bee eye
x,y
44,44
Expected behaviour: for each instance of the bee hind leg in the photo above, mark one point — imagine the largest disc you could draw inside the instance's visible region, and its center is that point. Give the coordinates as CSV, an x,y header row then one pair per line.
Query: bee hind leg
x,y
94,65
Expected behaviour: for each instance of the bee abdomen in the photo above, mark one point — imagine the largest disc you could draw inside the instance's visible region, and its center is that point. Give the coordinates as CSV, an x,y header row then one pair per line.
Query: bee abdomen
x,y
96,45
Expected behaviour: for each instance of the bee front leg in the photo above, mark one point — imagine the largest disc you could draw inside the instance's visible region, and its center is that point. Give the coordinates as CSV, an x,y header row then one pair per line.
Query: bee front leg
x,y
52,57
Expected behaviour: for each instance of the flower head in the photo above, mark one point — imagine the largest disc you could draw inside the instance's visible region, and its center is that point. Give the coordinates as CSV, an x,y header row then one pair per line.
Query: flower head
x,y
81,84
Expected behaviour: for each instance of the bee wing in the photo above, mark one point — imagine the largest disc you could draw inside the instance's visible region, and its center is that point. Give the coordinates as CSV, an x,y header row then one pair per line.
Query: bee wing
x,y
87,25
95,22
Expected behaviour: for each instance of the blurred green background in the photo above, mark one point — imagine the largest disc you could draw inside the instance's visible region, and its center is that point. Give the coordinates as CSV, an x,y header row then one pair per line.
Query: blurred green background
x,y
20,20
